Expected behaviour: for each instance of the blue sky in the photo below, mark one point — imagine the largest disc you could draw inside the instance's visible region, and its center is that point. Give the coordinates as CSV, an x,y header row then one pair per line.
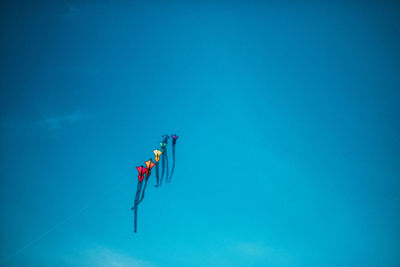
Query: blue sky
x,y
288,120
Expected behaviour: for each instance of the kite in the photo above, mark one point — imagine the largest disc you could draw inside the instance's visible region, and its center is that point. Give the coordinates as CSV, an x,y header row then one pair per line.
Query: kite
x,y
157,154
145,172
174,138
149,165
142,171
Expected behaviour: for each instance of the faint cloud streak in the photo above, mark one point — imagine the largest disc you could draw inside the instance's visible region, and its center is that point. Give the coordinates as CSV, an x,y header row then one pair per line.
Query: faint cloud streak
x,y
58,122
105,257
262,253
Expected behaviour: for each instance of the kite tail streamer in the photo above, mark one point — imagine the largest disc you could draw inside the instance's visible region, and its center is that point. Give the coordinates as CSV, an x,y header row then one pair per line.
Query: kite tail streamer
x,y
173,163
137,196
174,138
166,163
163,167
157,175
144,189
135,212
137,201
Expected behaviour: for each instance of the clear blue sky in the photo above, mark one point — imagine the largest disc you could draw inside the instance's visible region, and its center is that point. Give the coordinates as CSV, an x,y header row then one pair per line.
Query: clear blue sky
x,y
288,117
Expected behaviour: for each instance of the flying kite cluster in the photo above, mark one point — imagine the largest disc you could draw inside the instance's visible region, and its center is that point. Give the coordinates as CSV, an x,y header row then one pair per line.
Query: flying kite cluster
x,y
145,171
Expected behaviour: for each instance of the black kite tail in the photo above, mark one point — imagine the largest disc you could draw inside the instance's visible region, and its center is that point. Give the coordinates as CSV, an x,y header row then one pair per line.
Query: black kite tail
x,y
135,212
173,163
163,167
144,189
157,174
166,163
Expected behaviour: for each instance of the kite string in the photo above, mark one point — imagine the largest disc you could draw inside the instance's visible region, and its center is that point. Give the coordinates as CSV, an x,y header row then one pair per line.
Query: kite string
x,y
60,223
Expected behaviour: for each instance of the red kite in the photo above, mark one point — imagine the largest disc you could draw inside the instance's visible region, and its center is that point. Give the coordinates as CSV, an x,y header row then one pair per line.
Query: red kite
x,y
142,171
149,164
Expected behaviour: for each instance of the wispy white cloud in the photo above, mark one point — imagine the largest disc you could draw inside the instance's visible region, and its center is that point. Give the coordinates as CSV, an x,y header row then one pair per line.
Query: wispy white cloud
x,y
45,122
100,256
262,252
57,122
252,249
